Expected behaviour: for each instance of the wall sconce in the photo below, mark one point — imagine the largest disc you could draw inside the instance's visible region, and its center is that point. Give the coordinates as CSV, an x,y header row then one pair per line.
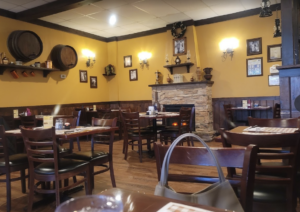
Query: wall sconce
x,y
144,56
228,45
89,55
265,9
277,30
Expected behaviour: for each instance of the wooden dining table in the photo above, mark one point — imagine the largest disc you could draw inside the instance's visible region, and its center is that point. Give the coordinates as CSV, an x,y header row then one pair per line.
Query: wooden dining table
x,y
135,201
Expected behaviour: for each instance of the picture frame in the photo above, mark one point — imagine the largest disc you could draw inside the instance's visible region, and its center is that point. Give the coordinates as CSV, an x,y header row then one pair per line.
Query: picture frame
x,y
83,76
133,75
93,82
254,46
273,80
254,67
179,46
274,53
127,61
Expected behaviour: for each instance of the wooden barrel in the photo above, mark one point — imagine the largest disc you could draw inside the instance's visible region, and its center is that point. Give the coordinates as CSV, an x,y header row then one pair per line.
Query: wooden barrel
x,y
24,45
64,57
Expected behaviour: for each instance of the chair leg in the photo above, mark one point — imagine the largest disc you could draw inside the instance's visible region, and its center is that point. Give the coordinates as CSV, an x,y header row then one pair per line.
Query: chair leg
x,y
192,141
78,144
92,176
8,192
57,194
140,149
23,181
31,194
88,187
126,148
148,145
66,182
112,174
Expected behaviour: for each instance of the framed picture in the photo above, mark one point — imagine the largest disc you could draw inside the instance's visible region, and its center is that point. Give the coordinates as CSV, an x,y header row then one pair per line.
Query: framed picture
x,y
133,75
83,76
254,67
273,80
179,46
254,46
274,53
93,82
127,61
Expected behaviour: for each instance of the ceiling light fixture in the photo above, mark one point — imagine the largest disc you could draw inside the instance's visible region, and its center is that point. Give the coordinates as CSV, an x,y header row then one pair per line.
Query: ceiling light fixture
x,y
112,20
265,9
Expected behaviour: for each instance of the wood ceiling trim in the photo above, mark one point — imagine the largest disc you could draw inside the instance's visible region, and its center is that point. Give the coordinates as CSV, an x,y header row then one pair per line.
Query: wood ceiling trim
x,y
51,8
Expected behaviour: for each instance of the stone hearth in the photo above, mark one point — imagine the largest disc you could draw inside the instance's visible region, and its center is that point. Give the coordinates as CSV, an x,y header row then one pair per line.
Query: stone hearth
x,y
197,93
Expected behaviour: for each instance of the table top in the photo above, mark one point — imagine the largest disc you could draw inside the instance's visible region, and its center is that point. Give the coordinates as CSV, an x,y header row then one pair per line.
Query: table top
x,y
69,133
139,202
252,108
40,117
159,115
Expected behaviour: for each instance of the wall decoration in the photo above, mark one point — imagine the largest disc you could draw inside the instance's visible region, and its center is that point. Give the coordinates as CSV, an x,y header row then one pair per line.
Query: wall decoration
x,y
254,46
109,70
127,61
179,46
177,26
254,67
274,53
273,80
93,82
83,76
133,75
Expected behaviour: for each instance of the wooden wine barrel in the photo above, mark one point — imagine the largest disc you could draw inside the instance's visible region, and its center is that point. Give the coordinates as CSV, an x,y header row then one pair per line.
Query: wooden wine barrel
x,y
64,57
24,45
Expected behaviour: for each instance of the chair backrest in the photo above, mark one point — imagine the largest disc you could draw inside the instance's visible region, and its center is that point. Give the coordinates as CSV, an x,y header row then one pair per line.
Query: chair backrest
x,y
192,122
228,112
72,121
28,121
276,111
77,114
104,113
105,123
4,153
184,119
286,123
244,158
131,121
35,138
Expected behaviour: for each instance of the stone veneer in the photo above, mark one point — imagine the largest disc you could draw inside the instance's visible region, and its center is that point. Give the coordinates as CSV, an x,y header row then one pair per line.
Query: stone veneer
x,y
197,93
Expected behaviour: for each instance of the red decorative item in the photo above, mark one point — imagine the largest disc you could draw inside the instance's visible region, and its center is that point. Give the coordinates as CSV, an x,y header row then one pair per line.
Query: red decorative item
x,y
28,112
24,73
14,74
249,103
32,73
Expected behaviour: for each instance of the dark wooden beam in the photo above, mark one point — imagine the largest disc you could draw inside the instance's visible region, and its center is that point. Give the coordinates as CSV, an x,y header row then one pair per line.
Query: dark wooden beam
x,y
7,14
51,8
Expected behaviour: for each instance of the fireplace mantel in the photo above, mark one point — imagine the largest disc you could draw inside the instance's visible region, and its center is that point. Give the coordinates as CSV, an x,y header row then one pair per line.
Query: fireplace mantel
x,y
183,83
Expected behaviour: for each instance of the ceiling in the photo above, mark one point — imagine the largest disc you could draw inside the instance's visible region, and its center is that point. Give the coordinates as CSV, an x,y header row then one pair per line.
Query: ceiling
x,y
134,16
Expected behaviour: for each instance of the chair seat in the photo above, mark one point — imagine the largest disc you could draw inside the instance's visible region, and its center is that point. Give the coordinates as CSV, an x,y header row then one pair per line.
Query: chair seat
x,y
87,155
14,160
60,149
65,165
143,133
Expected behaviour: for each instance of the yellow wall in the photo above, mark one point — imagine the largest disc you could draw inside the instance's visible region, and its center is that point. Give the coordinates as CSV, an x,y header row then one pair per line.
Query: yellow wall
x,y
53,90
202,41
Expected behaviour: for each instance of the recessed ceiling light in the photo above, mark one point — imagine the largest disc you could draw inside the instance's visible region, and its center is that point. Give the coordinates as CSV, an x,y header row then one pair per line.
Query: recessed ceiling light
x,y
112,20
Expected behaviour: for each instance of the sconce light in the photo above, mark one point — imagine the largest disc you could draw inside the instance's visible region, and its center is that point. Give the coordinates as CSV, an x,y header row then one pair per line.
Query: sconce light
x,y
277,30
265,9
228,45
144,56
89,55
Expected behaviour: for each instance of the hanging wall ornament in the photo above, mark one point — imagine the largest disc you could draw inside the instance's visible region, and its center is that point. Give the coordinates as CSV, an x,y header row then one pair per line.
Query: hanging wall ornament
x,y
177,26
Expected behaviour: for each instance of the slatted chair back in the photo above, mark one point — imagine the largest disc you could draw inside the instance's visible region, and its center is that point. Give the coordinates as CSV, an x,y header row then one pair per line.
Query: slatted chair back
x,y
39,138
131,122
28,121
244,158
184,119
4,152
104,113
77,114
286,123
276,111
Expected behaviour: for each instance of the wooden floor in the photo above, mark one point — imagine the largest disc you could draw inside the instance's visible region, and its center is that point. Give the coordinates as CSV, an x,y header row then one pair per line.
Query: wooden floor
x,y
130,174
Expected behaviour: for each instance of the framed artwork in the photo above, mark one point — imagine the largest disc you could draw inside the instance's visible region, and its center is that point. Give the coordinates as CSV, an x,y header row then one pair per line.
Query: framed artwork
x,y
133,75
254,46
179,46
273,80
127,61
254,67
93,82
274,53
83,76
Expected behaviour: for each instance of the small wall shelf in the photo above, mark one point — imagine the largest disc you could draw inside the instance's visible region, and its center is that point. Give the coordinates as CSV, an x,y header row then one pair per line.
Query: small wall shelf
x,y
109,74
187,65
46,71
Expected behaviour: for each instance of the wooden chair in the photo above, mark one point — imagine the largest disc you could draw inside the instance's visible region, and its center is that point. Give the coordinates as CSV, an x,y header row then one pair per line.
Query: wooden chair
x,y
275,192
120,123
286,123
231,123
99,158
184,122
134,131
11,163
28,121
276,111
52,167
244,158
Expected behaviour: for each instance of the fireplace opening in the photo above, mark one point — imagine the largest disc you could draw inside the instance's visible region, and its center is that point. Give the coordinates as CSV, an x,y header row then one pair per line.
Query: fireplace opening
x,y
176,108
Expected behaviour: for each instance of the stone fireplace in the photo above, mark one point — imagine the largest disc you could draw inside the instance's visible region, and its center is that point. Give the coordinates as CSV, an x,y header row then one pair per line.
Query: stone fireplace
x,y
197,93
